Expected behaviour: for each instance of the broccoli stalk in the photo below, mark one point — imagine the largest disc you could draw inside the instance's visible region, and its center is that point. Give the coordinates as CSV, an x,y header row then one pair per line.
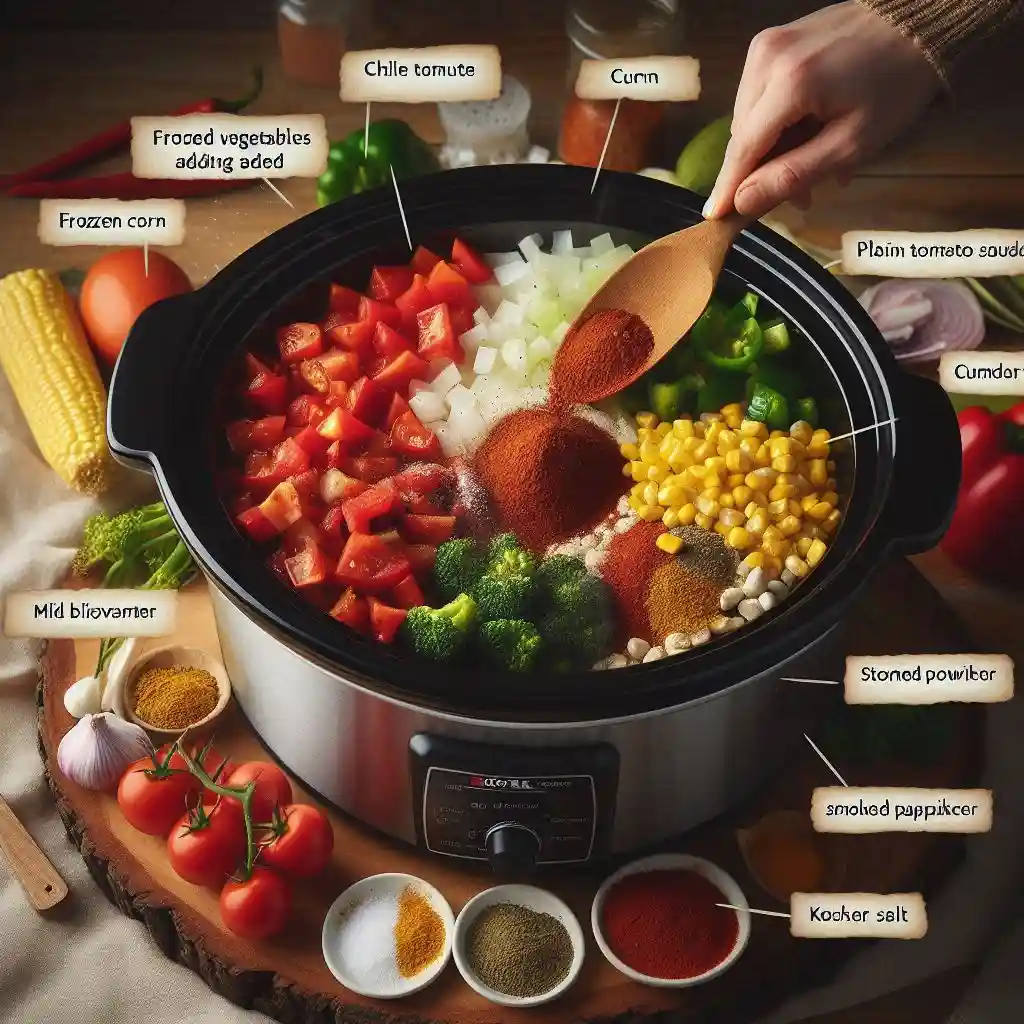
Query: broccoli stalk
x,y
512,645
440,633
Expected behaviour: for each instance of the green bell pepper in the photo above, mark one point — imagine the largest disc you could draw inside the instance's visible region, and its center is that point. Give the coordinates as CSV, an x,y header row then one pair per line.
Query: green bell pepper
x,y
665,399
776,336
770,407
721,390
777,374
726,343
807,410
391,144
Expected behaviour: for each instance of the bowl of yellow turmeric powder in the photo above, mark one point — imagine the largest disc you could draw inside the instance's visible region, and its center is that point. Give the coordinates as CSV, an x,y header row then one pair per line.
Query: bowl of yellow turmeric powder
x,y
171,689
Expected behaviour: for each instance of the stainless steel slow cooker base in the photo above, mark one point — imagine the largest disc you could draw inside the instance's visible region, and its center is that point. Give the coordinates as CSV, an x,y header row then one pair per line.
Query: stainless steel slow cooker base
x,y
675,768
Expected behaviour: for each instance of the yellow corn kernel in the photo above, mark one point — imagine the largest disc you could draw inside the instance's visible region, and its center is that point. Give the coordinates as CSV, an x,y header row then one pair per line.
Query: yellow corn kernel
x,y
629,451
669,443
635,503
795,508
815,553
739,538
669,543
649,451
772,564
708,506
671,518
773,531
820,511
731,517
703,521
785,463
778,547
691,444
716,463
763,456
627,469
658,473
738,461
817,472
638,471
777,433
790,526
749,445
832,521
802,431
638,488
662,429
754,428
728,440
713,492
44,352
778,509
668,495
735,479
780,446
803,545
650,494
693,477
687,514
713,431
758,522
683,429
741,495
643,434
650,513
797,566
726,500
699,428
818,446
830,498
732,409
704,452
809,501
760,480
782,491
681,460
755,559
646,420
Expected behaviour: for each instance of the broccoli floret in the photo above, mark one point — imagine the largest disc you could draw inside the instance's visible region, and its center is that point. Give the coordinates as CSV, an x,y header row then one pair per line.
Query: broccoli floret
x,y
500,544
507,587
584,598
457,567
119,539
440,633
559,569
510,644
575,642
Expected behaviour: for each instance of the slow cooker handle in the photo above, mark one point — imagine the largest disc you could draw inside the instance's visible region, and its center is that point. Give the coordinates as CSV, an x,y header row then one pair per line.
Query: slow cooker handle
x,y
926,477
138,409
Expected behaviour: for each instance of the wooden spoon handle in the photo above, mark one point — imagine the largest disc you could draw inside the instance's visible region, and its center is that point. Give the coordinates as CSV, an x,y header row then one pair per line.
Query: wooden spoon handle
x,y
42,883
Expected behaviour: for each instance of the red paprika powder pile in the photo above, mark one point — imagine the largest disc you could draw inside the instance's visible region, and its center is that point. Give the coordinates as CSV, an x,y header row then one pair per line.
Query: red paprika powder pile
x,y
665,924
628,567
550,476
599,357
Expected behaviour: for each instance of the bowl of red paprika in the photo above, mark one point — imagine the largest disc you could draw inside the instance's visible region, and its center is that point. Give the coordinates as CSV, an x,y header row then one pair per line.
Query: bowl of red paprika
x,y
658,922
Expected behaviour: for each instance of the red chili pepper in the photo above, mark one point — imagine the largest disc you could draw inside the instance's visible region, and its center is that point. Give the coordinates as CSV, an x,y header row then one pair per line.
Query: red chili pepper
x,y
127,186
116,138
985,531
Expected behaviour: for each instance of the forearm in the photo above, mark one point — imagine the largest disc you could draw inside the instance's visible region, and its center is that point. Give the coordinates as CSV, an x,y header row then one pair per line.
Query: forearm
x,y
947,30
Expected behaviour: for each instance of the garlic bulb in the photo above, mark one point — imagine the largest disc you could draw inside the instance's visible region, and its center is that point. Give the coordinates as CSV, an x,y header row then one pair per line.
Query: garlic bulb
x,y
96,750
83,697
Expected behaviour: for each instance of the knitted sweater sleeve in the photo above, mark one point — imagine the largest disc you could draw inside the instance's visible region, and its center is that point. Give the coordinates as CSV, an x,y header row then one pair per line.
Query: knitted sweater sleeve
x,y
947,30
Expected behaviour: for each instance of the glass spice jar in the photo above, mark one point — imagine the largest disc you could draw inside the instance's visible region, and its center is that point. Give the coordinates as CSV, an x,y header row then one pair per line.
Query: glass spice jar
x,y
312,36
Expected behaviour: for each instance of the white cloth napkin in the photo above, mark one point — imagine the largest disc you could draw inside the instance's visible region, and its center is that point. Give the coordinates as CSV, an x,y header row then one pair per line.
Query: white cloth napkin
x,y
87,963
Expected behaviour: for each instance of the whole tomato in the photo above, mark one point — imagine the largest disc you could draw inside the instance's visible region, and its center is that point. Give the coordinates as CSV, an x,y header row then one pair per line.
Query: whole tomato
x,y
117,289
211,762
303,841
153,796
207,845
272,788
258,907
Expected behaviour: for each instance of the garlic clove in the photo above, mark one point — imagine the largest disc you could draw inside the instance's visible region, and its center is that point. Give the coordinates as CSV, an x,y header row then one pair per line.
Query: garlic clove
x,y
83,697
116,673
97,749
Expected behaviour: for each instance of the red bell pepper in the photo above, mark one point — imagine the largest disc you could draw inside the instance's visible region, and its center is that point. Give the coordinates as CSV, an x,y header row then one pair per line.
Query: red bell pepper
x,y
984,533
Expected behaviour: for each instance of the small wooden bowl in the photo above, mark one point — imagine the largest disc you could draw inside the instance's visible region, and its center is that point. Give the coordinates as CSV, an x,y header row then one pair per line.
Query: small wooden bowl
x,y
175,656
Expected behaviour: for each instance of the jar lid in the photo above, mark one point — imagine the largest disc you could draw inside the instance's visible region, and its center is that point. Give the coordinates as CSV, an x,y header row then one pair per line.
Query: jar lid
x,y
486,118
604,30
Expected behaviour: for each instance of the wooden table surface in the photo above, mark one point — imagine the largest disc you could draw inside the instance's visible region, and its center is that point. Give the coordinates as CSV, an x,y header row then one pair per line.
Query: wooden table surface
x,y
963,167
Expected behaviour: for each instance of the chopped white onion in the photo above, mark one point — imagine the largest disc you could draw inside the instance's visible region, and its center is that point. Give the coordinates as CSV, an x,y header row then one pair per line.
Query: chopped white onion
x,y
485,359
427,405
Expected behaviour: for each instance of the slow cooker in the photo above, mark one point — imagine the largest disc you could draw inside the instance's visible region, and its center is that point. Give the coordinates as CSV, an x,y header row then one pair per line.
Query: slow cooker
x,y
542,768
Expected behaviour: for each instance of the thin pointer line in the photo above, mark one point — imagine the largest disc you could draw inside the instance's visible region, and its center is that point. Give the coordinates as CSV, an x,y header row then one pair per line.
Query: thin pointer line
x,y
268,182
608,139
145,258
820,682
751,910
826,760
830,265
861,430
366,131
401,208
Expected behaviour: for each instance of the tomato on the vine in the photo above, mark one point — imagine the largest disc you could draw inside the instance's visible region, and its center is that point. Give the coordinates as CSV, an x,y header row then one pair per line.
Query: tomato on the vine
x,y
258,907
207,845
211,760
153,796
303,841
272,788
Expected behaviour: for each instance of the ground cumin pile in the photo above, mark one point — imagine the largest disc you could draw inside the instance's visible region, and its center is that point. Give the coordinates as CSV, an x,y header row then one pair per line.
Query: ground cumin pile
x,y
551,476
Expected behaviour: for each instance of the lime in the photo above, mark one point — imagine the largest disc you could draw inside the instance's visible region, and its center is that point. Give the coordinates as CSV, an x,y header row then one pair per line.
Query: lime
x,y
701,160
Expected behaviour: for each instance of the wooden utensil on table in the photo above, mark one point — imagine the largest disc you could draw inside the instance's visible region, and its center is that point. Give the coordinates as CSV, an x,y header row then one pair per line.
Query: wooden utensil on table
x,y
667,284
39,878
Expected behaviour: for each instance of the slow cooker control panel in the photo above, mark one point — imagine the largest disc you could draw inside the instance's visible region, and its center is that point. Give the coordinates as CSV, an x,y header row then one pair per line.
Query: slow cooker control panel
x,y
516,807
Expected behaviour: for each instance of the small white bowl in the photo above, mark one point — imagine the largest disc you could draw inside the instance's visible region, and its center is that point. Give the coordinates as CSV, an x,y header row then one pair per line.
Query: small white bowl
x,y
376,886
726,884
539,900
175,656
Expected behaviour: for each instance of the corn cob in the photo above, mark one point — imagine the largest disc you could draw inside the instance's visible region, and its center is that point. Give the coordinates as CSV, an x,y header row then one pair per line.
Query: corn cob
x,y
44,353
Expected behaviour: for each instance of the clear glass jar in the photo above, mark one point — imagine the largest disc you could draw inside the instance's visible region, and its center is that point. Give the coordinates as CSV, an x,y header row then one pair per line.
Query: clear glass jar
x,y
312,35
603,29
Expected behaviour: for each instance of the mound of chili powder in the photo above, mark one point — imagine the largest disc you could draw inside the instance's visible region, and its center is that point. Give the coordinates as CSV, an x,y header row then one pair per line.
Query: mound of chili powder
x,y
628,567
550,476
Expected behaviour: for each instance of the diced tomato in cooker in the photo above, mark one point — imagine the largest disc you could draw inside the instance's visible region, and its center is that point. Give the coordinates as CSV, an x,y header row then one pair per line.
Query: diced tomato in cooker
x,y
370,564
397,374
436,336
397,407
286,460
240,502
368,401
307,567
338,395
353,611
313,376
268,392
386,621
255,523
387,342
261,435
307,485
377,445
462,320
349,431
299,535
282,506
373,312
446,284
410,437
413,301
312,442
336,486
427,529
407,594
333,523
355,337
387,283
372,468
424,505
340,364
421,557
306,410
299,341
254,367
423,260
374,502
423,478
470,263
343,299
334,320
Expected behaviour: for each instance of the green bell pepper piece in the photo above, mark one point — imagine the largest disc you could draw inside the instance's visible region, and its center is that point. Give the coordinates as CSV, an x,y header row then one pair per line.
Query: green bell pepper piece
x,y
770,407
777,374
665,399
746,307
391,144
776,336
721,390
725,343
807,410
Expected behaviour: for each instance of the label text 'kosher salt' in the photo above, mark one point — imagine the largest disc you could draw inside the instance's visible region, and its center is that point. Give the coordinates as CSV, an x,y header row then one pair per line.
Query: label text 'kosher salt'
x,y
850,915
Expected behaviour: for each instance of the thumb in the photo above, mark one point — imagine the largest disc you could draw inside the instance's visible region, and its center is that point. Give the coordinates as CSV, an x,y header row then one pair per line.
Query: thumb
x,y
834,150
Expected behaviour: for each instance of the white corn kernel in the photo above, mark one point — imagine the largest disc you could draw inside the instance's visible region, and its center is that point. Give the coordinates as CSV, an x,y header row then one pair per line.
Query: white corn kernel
x,y
779,589
617,661
788,578
702,636
676,643
755,583
767,601
654,654
637,648
750,609
720,626
730,598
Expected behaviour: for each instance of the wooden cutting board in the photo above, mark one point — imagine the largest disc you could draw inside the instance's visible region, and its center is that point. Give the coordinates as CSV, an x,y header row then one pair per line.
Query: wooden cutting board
x,y
287,977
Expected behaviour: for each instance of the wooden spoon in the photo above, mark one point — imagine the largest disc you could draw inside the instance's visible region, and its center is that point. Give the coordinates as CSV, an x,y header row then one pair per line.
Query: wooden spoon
x,y
42,883
668,284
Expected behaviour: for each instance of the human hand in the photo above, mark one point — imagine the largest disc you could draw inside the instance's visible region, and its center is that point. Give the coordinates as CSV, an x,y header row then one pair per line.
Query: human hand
x,y
843,67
